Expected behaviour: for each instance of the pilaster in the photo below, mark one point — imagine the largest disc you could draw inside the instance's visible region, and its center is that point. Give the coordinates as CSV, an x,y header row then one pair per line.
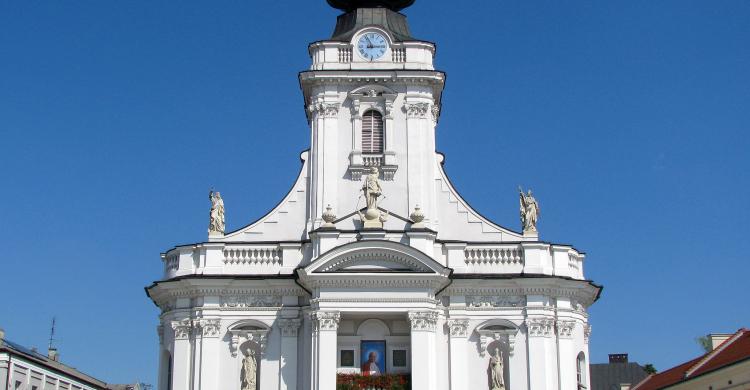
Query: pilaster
x,y
423,363
324,327
324,159
567,356
207,333
420,158
288,374
541,353
458,329
182,360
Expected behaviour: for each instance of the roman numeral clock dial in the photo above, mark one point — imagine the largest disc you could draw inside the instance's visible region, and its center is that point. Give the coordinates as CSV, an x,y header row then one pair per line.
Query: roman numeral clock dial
x,y
372,46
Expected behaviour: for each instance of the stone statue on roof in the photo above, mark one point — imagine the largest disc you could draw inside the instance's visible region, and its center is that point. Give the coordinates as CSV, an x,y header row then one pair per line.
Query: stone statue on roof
x,y
216,216
529,211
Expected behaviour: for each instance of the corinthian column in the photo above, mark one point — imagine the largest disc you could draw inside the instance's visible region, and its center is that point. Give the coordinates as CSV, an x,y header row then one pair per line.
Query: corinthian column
x,y
207,332
181,373
325,324
423,362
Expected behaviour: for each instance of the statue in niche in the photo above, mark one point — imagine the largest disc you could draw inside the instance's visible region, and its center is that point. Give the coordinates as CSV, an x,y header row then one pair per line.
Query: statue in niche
x,y
496,370
249,371
529,211
216,216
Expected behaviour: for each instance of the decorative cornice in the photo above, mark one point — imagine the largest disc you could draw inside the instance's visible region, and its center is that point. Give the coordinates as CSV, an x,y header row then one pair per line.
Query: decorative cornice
x,y
458,327
325,320
289,326
487,301
417,110
423,321
250,301
565,328
540,326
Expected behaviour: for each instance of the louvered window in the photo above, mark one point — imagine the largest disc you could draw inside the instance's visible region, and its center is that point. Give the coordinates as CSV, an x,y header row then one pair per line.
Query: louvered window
x,y
372,132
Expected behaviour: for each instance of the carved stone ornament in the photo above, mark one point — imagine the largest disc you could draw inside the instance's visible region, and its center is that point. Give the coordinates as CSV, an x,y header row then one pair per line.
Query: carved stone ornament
x,y
417,216
207,327
182,329
565,328
417,110
435,110
458,327
327,110
289,326
482,301
372,218
503,337
586,333
328,217
540,327
249,301
160,333
424,321
239,336
325,320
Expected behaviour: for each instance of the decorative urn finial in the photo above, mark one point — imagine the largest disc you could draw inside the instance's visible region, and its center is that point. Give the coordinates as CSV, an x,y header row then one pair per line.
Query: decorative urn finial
x,y
418,217
328,217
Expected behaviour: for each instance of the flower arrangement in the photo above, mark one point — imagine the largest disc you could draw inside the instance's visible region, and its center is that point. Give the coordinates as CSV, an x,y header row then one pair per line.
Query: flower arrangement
x,y
382,382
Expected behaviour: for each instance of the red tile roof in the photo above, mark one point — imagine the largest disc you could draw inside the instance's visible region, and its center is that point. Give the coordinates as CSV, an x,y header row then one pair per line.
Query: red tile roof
x,y
732,350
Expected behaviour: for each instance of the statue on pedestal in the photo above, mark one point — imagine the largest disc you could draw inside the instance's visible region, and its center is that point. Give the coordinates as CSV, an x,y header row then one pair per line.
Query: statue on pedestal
x,y
529,211
216,216
249,371
496,370
372,217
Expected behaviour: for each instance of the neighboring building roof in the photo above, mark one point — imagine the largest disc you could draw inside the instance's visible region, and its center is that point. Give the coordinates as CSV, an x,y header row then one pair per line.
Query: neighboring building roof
x,y
734,350
33,356
606,375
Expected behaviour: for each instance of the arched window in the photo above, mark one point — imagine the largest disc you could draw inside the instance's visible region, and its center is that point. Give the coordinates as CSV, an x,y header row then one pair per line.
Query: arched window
x,y
581,371
372,132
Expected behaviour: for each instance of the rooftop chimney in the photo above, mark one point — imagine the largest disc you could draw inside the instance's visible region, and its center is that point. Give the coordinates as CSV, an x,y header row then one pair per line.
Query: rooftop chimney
x,y
52,354
618,357
718,338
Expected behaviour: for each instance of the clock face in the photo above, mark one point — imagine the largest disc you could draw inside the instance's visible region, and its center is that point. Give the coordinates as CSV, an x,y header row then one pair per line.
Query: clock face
x,y
372,46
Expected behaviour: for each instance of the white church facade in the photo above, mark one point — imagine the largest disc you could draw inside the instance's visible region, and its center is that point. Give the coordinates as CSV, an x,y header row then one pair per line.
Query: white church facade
x,y
373,267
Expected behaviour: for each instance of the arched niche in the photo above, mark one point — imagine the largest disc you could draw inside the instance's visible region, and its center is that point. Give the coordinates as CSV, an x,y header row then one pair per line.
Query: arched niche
x,y
497,333
373,329
248,335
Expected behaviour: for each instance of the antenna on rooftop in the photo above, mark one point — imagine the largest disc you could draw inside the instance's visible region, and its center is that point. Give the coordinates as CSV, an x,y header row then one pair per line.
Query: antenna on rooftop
x,y
52,334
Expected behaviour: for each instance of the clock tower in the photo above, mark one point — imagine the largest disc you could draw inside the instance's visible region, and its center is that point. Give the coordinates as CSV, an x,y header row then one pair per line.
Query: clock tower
x,y
373,100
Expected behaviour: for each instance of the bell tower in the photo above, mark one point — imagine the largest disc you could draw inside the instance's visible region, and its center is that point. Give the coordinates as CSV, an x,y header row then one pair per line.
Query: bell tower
x,y
372,98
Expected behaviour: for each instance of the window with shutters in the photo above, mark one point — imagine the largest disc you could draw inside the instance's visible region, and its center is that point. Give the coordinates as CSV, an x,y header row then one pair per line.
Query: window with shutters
x,y
372,132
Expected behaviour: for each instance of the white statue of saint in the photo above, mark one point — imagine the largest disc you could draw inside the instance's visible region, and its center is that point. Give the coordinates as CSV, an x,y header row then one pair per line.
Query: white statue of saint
x,y
529,211
249,371
371,188
216,216
496,371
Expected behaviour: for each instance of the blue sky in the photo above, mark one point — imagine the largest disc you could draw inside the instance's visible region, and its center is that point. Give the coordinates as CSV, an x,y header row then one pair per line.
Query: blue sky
x,y
628,118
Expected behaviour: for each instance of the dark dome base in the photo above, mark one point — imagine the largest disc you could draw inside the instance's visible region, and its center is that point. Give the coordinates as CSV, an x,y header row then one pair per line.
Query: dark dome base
x,y
351,5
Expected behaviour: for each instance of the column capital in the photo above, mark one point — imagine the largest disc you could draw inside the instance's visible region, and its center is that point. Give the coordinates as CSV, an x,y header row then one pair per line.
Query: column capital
x,y
327,110
417,110
586,333
289,326
540,326
458,327
325,320
207,327
565,328
182,329
424,321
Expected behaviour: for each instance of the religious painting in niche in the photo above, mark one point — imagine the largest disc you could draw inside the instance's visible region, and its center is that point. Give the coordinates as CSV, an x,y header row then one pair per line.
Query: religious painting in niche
x,y
372,357
347,358
399,358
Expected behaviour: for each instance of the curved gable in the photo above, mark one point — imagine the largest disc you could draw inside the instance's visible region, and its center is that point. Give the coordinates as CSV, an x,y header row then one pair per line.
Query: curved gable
x,y
375,257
